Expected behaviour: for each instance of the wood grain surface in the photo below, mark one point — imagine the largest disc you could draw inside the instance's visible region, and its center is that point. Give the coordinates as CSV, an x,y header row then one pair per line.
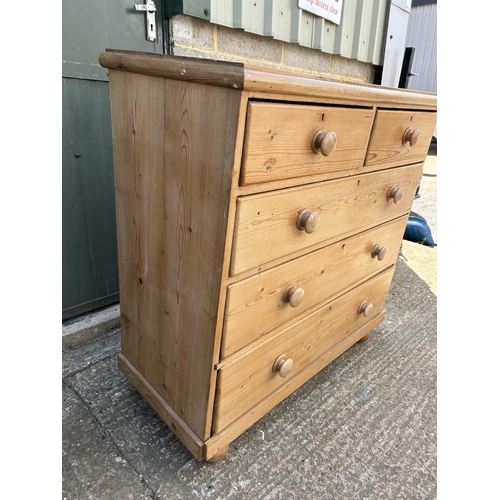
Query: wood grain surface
x,y
255,305
265,80
386,148
250,378
188,69
279,140
224,201
172,175
266,223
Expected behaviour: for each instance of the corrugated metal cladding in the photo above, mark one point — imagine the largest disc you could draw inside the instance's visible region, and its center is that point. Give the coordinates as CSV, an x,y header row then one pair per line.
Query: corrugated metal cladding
x,y
422,34
360,35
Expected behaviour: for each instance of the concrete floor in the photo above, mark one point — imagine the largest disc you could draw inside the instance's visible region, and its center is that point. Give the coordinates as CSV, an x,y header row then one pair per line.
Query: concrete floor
x,y
363,428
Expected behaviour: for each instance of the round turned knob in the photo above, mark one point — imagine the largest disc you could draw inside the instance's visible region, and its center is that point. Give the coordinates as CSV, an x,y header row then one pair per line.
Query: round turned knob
x,y
365,309
324,142
395,194
282,365
411,136
308,221
293,295
379,252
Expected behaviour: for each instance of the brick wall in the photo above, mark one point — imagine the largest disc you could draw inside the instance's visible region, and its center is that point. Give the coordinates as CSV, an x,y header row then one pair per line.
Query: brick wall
x,y
193,37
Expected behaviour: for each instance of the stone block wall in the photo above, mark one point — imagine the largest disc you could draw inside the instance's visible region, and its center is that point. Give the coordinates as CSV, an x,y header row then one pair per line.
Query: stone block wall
x,y
193,37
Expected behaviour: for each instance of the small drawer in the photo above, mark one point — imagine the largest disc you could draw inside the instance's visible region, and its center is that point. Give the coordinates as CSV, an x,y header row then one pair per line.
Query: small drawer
x,y
277,224
258,305
400,138
251,377
285,141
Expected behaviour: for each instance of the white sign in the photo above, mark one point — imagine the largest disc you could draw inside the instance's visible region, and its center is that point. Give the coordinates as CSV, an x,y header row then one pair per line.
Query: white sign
x,y
329,9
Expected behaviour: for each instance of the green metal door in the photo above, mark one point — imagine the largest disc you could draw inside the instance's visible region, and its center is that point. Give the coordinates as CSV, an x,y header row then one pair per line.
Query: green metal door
x,y
89,256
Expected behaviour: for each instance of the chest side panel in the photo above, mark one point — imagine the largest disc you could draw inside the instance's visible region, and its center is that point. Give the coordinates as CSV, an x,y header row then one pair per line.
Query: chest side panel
x,y
174,148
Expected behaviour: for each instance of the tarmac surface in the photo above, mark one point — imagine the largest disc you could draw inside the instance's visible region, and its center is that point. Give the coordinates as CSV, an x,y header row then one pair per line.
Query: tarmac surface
x,y
365,427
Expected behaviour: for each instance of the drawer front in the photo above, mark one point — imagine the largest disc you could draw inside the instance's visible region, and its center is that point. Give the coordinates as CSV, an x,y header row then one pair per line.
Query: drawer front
x,y
250,378
279,141
267,224
393,134
260,304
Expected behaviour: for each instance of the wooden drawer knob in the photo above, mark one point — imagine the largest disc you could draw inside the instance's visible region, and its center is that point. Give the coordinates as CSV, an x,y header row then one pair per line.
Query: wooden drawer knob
x,y
308,221
282,365
395,194
293,295
365,309
324,142
411,136
379,252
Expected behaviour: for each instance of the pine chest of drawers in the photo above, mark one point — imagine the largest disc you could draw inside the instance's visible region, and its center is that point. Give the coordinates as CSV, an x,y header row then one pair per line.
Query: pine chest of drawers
x,y
259,218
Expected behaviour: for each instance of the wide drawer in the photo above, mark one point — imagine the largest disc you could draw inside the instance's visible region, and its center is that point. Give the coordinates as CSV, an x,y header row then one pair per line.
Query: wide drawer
x,y
251,377
262,303
279,141
267,224
400,138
